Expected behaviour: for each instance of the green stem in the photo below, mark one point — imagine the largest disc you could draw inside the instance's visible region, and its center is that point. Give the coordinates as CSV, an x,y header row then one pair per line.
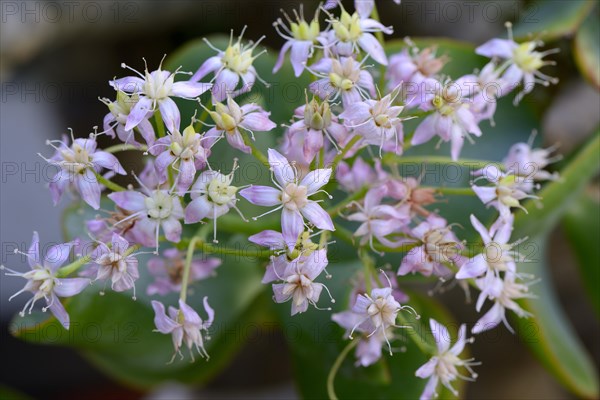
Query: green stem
x,y
208,248
74,266
453,191
368,265
345,150
160,125
109,184
125,147
255,151
392,159
188,265
336,366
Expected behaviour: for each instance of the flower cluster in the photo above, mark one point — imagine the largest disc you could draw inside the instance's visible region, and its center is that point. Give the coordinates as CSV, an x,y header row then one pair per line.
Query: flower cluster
x,y
348,139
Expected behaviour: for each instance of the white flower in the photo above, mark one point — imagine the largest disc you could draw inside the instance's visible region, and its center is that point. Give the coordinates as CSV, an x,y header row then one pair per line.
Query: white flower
x,y
443,366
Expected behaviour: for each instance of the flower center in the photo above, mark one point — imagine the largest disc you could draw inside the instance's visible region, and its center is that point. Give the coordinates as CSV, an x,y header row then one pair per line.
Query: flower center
x,y
446,366
42,279
437,248
526,58
347,28
221,192
305,31
158,84
237,60
496,255
383,311
294,197
159,205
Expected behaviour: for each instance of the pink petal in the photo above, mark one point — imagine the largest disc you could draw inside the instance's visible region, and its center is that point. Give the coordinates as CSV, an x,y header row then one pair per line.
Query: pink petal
x,y
189,89
316,179
280,58
262,195
138,112
59,311
197,210
317,216
210,65
129,84
283,171
483,232
269,238
172,229
474,267
441,335
170,113
68,287
371,45
163,323
108,161
88,187
129,200
258,121
299,55
496,48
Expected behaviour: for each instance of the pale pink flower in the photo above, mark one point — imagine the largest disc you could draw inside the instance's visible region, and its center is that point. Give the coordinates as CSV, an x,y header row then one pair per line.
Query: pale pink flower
x,y
379,220
354,32
213,195
377,121
452,119
43,282
184,325
298,281
439,245
78,165
231,118
155,90
316,122
291,195
301,38
444,365
185,153
152,210
116,119
503,292
116,263
343,78
521,60
230,66
497,256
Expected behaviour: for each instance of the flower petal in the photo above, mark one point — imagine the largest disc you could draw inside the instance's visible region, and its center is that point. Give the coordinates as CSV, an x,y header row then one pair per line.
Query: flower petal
x,y
163,323
262,195
197,210
138,112
68,287
170,113
313,212
189,89
283,171
316,179
128,200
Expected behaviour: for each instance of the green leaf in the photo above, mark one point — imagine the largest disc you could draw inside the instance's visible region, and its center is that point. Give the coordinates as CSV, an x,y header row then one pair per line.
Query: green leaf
x,y
549,333
586,49
581,224
550,20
